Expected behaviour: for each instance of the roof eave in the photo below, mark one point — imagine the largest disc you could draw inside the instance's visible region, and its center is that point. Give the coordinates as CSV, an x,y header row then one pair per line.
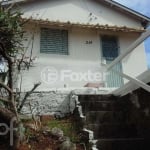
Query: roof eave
x,y
68,24
126,10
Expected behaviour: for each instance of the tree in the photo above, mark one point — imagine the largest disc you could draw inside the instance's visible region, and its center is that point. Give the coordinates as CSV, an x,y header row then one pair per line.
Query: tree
x,y
12,51
11,36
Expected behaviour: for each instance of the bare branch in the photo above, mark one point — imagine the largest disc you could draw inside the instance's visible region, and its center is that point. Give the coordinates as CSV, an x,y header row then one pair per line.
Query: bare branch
x,y
33,37
6,87
10,7
27,95
4,100
11,98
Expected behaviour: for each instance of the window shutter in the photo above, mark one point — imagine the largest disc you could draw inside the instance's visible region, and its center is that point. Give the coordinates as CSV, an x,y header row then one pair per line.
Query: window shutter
x,y
109,47
54,41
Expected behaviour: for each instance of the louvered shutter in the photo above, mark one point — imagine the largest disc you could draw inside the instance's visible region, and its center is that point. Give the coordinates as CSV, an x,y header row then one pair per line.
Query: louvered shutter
x,y
54,41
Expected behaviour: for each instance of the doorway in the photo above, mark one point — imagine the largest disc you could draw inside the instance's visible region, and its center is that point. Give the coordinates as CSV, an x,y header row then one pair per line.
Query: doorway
x,y
110,50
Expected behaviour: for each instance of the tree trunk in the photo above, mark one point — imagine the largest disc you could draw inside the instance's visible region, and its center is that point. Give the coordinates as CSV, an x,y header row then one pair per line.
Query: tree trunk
x,y
6,115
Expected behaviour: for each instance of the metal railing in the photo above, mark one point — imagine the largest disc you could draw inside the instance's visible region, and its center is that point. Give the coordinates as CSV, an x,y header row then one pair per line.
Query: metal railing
x,y
110,67
114,80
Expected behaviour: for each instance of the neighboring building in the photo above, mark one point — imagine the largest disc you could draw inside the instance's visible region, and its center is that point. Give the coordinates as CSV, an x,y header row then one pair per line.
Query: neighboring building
x,y
75,37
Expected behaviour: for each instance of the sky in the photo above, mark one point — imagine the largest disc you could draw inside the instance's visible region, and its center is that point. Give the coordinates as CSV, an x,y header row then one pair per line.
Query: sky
x,y
142,6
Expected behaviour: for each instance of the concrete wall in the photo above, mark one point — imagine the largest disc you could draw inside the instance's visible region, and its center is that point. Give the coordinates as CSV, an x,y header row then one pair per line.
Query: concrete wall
x,y
82,57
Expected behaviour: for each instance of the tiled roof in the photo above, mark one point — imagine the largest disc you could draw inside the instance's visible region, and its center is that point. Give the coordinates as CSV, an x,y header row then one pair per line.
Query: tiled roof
x,y
86,26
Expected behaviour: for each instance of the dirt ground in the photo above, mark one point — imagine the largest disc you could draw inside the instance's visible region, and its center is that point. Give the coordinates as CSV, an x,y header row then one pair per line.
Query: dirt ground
x,y
36,139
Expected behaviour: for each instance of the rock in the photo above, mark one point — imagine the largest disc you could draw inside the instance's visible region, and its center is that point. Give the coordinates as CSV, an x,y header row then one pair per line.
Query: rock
x,y
57,132
46,130
59,115
62,139
67,145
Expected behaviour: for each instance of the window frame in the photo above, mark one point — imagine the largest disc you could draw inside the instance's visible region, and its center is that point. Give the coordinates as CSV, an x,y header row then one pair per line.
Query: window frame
x,y
60,34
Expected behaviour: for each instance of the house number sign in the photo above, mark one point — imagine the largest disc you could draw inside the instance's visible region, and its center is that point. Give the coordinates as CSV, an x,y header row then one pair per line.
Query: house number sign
x,y
88,42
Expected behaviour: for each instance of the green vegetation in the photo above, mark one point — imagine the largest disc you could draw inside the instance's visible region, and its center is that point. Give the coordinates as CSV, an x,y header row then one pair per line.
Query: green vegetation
x,y
67,126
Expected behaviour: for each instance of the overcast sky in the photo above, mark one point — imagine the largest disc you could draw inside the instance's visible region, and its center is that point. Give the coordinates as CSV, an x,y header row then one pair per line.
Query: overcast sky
x,y
142,6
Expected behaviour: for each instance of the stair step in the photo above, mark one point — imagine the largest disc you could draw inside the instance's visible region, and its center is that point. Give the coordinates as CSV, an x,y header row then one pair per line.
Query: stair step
x,y
116,123
113,130
96,117
96,98
100,106
123,144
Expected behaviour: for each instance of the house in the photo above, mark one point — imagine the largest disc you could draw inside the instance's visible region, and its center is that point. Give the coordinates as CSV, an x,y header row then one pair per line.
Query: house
x,y
69,46
71,40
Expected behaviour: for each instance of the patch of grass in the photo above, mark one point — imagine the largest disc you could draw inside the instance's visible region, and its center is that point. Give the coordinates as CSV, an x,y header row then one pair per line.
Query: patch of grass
x,y
67,126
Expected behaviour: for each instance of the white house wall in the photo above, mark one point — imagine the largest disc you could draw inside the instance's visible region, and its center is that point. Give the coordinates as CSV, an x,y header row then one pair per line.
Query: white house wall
x,y
135,63
77,11
82,57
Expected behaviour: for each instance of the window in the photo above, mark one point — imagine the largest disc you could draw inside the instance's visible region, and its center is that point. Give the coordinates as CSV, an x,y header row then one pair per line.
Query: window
x,y
109,47
54,41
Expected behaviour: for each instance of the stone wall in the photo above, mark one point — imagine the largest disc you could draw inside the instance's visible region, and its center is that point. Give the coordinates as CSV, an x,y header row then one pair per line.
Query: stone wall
x,y
48,103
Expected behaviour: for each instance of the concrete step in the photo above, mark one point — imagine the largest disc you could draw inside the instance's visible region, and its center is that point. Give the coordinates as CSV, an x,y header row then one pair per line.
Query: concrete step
x,y
97,98
113,130
123,144
100,106
98,117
